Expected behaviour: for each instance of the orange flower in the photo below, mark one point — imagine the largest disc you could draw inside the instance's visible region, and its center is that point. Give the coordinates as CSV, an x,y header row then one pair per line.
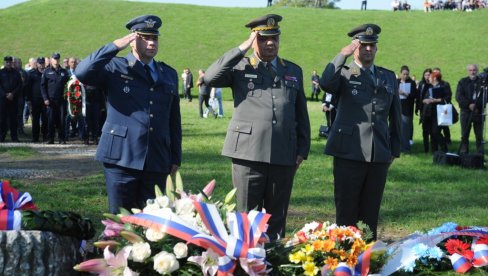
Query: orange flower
x,y
459,247
331,263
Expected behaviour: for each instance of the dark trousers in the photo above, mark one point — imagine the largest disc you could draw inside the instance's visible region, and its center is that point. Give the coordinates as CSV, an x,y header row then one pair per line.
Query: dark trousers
x,y
39,120
267,186
55,118
129,188
188,94
92,121
467,120
8,118
430,127
201,100
358,190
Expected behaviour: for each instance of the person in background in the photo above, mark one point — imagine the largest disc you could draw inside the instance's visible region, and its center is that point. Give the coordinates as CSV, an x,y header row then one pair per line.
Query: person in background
x,y
408,93
315,86
21,95
365,136
429,116
471,98
10,86
141,138
36,102
364,4
269,134
53,83
187,77
203,94
329,108
446,132
424,109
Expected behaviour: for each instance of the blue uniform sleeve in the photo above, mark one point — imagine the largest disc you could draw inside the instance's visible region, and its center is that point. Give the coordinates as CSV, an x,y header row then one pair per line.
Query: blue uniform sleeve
x,y
91,70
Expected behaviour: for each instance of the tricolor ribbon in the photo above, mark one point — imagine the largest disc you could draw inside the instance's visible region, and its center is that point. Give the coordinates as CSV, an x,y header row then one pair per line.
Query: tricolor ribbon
x,y
343,269
11,201
462,264
480,255
459,263
241,243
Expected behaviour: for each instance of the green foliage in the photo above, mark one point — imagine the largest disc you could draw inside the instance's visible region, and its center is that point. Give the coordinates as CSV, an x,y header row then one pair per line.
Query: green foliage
x,y
17,152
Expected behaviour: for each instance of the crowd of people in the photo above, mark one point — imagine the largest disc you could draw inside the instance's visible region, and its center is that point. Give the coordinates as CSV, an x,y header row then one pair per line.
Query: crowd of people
x,y
46,90
456,5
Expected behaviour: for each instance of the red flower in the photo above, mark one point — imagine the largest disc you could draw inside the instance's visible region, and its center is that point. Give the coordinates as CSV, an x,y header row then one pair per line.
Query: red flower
x,y
77,94
462,248
482,240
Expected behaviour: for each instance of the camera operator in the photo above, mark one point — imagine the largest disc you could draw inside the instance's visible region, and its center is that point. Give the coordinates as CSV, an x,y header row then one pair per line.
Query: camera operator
x,y
469,95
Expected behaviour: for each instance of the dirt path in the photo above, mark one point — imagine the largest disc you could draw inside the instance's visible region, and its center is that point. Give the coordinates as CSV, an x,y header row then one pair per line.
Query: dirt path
x,y
51,162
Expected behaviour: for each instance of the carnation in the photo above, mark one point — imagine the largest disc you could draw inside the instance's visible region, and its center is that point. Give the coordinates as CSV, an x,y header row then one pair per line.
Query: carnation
x,y
165,262
180,250
140,251
184,206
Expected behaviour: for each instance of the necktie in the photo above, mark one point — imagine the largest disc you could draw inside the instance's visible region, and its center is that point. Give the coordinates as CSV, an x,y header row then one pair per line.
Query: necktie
x,y
148,74
269,66
371,74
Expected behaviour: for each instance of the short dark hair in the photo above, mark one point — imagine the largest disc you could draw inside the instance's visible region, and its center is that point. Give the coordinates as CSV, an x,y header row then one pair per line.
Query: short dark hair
x,y
404,67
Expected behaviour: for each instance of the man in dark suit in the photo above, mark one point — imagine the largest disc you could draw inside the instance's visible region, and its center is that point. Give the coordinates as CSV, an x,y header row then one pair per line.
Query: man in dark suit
x,y
53,82
141,138
34,97
365,137
269,135
10,88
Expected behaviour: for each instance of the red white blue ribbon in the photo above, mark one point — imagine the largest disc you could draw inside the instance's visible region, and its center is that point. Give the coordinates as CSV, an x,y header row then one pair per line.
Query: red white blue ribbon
x,y
480,255
241,243
343,269
10,201
459,263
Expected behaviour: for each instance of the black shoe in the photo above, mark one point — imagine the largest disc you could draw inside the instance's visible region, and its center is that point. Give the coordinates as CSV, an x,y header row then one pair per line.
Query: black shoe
x,y
15,140
50,142
35,140
86,142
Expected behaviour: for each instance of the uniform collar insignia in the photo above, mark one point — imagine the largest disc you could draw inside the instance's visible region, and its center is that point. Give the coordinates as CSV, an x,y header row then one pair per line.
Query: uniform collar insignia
x,y
150,23
282,62
253,61
355,71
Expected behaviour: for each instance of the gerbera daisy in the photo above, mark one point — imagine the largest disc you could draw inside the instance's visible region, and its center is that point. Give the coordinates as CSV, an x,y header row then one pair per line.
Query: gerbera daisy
x,y
459,247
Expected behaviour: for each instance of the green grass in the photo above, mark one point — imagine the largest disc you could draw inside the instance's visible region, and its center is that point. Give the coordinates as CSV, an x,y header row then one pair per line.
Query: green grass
x,y
17,152
418,195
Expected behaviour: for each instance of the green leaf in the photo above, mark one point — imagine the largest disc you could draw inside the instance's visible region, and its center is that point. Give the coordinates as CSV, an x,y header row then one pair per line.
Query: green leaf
x,y
170,189
112,217
179,182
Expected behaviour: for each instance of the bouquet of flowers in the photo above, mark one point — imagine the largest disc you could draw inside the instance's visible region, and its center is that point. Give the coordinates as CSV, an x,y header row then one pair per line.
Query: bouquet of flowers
x,y
327,249
448,247
181,233
75,96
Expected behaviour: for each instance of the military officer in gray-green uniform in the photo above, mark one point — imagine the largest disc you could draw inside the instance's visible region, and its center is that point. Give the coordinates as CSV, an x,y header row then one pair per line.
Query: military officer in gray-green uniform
x,y
365,136
269,134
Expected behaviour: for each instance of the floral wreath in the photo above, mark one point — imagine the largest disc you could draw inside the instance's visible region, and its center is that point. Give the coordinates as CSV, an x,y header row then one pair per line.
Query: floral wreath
x,y
75,95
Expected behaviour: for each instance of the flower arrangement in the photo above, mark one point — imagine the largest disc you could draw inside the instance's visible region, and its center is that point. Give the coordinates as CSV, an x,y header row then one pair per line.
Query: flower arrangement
x,y
74,95
181,233
329,249
448,247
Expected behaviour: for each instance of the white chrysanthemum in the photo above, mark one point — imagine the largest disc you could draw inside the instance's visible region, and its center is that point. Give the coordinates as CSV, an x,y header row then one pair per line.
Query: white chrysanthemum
x,y
165,263
184,206
140,251
180,250
151,208
154,235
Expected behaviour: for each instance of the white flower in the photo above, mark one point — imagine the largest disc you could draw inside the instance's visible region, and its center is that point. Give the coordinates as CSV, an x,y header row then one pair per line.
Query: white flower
x,y
165,263
163,201
151,208
140,251
189,219
154,235
184,206
180,250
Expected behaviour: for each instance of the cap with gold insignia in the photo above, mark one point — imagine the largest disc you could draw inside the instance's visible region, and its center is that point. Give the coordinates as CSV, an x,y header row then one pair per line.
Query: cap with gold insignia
x,y
145,24
266,25
367,33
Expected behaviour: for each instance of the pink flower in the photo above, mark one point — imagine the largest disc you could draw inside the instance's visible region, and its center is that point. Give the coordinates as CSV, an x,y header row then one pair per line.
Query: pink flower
x,y
209,262
117,264
112,229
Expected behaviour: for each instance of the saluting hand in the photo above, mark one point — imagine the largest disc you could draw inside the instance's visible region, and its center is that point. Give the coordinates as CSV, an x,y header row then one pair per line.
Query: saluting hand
x,y
248,43
123,42
349,49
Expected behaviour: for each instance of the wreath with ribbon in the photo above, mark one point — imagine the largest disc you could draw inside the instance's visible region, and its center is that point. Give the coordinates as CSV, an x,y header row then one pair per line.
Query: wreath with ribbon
x,y
75,95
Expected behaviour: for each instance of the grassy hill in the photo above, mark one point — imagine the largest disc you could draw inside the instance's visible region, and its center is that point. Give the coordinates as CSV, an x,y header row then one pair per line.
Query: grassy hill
x,y
418,194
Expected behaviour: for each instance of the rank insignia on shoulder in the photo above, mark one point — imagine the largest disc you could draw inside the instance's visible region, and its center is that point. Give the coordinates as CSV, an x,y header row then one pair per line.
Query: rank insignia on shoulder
x,y
290,78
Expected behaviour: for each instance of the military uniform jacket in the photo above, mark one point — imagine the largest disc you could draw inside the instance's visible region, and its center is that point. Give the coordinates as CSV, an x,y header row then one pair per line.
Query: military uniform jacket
x,y
34,86
368,121
270,121
53,82
143,126
10,82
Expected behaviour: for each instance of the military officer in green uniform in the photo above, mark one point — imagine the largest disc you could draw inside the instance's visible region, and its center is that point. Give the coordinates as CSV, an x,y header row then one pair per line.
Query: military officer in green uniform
x,y
269,134
365,136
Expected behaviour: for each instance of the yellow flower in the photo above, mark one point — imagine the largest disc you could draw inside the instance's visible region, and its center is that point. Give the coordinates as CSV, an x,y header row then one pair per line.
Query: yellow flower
x,y
308,249
310,269
297,257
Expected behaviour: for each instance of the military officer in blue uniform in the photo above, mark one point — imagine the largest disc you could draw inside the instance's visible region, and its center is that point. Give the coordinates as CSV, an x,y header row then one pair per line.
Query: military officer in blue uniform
x,y
53,82
365,136
34,97
141,138
269,134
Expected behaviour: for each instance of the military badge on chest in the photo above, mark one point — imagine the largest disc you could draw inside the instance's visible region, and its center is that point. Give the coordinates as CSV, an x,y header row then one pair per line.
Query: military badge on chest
x,y
126,78
251,77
